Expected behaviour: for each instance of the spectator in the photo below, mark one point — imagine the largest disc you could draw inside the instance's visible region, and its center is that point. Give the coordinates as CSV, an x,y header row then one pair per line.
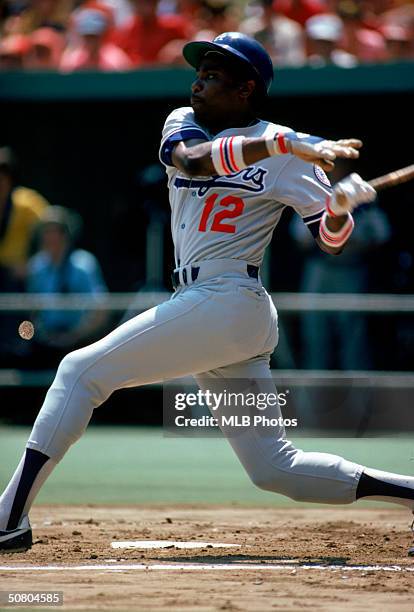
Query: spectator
x,y
41,14
375,8
145,35
399,43
189,9
365,43
121,11
92,51
13,51
299,10
58,267
339,340
324,33
215,17
211,18
400,13
20,211
282,37
46,48
8,13
102,7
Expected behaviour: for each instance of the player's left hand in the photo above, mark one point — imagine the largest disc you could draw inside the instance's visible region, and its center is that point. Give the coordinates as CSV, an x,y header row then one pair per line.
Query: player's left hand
x,y
325,152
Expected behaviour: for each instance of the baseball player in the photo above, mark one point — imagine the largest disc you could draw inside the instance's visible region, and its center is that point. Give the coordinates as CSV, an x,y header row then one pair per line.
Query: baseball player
x,y
230,175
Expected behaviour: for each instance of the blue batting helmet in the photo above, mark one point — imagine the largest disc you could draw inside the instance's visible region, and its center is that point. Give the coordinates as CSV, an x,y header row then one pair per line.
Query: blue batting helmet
x,y
239,47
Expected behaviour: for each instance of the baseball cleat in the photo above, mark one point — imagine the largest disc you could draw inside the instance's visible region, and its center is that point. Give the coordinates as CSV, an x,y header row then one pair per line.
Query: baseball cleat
x,y
17,540
411,549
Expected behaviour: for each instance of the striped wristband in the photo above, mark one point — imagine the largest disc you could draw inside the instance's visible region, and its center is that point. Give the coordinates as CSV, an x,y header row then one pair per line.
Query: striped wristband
x,y
276,144
227,155
335,239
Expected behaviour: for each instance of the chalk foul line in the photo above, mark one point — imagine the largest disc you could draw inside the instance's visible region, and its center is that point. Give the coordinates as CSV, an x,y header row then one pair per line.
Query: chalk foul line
x,y
154,544
124,567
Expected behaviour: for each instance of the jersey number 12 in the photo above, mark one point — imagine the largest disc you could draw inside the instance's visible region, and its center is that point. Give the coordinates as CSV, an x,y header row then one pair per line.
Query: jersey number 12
x,y
234,207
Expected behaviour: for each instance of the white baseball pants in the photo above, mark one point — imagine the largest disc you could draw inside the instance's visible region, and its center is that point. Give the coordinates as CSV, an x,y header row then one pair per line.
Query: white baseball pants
x,y
223,327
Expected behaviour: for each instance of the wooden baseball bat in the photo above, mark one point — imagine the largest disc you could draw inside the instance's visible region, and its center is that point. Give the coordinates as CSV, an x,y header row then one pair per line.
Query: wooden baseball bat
x,y
393,178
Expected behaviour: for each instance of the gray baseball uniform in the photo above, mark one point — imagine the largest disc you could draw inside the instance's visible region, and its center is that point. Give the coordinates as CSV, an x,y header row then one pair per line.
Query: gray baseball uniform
x,y
234,216
220,322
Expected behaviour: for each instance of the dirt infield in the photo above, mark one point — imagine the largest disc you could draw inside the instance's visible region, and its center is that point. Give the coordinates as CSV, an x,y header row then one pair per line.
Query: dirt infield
x,y
290,559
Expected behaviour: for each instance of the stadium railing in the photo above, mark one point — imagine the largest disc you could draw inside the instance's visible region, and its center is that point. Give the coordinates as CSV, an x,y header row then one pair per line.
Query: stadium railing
x,y
127,305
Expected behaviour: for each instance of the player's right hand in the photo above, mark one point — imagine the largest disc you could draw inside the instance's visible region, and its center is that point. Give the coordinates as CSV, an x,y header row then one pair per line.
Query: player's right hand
x,y
349,193
325,152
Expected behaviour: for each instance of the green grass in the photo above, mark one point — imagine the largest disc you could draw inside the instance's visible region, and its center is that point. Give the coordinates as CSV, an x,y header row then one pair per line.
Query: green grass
x,y
136,465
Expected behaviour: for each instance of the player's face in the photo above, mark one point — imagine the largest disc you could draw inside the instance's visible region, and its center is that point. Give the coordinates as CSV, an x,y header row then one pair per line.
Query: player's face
x,y
215,95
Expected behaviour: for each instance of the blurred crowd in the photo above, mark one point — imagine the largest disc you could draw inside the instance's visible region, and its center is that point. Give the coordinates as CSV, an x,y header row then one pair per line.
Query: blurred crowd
x,y
117,35
39,254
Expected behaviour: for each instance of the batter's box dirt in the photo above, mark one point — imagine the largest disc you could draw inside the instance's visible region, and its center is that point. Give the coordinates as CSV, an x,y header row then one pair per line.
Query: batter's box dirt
x,y
290,559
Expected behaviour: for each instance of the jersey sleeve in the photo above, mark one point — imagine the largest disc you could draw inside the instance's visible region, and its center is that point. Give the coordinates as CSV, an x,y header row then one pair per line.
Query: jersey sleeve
x,y
304,187
180,125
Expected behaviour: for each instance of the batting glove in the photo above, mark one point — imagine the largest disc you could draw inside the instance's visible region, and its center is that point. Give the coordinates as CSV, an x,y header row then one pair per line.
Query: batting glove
x,y
324,152
348,194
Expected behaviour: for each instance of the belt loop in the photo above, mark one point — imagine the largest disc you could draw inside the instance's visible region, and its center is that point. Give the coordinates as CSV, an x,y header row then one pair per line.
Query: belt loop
x,y
175,279
253,271
194,272
189,274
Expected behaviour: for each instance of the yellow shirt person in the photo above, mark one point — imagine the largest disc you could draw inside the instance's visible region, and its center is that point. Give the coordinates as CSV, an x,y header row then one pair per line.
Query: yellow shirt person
x,y
18,219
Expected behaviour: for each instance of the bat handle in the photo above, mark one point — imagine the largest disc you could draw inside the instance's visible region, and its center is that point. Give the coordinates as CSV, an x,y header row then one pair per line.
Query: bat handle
x,y
379,183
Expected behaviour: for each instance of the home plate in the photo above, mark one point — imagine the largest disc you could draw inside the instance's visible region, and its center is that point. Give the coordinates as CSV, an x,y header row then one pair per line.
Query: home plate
x,y
171,544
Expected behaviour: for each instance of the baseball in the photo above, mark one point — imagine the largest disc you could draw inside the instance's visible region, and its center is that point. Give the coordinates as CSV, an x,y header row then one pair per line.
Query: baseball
x,y
26,330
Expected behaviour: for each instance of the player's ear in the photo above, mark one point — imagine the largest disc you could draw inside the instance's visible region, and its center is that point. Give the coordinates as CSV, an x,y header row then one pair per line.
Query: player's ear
x,y
247,88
